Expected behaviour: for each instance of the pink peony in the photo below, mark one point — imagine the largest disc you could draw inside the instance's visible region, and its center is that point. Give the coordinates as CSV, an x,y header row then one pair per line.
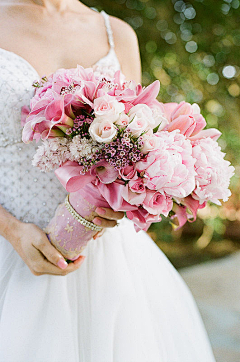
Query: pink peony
x,y
170,168
213,172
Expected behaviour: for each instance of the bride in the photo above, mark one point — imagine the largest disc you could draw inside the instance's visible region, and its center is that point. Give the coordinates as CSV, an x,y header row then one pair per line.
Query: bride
x,y
121,301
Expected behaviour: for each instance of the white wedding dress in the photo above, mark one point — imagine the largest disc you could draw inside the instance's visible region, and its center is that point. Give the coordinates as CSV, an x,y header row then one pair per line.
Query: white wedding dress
x,y
126,303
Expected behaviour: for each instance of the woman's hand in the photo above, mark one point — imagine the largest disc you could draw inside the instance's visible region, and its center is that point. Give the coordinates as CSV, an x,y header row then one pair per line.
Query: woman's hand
x,y
33,246
107,219
41,257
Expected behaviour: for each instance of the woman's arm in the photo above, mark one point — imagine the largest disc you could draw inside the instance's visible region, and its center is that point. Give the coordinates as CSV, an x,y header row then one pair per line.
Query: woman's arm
x,y
127,49
32,244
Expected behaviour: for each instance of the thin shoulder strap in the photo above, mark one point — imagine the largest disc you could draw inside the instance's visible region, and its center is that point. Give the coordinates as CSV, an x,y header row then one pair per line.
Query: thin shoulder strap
x,y
108,28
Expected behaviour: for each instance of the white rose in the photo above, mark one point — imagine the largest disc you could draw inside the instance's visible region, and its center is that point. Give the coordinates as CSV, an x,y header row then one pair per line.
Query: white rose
x,y
123,120
159,118
142,112
102,130
138,126
108,107
150,143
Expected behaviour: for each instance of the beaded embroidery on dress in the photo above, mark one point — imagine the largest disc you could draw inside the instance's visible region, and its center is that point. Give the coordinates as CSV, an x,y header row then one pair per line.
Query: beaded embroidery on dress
x,y
125,304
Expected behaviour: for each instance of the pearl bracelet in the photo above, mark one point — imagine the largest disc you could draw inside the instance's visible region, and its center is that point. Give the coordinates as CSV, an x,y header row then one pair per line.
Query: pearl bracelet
x,y
79,218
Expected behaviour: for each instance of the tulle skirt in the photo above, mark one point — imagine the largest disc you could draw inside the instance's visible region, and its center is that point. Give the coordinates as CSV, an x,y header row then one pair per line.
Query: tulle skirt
x,y
126,303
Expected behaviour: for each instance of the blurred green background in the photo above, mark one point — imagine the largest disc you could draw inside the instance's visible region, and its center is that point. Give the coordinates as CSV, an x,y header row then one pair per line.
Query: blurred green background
x,y
193,48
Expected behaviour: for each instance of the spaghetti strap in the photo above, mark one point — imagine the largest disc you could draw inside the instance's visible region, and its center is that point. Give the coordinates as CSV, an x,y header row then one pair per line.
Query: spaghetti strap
x,y
108,28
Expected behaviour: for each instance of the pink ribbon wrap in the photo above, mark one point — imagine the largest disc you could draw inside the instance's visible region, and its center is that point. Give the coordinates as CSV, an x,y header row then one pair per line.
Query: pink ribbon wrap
x,y
65,232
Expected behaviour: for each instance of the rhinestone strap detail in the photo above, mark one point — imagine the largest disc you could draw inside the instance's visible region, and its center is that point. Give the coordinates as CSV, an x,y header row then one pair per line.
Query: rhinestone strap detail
x,y
108,28
79,218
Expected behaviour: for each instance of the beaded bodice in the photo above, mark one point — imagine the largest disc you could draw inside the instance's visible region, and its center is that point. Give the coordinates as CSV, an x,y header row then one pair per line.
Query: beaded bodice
x,y
27,193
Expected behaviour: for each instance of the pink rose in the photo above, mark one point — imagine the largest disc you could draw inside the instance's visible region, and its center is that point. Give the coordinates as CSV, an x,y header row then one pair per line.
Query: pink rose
x,y
108,107
156,203
134,193
128,172
102,130
137,185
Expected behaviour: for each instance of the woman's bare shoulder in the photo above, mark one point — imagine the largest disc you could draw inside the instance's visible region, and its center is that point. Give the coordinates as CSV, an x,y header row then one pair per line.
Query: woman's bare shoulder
x,y
127,49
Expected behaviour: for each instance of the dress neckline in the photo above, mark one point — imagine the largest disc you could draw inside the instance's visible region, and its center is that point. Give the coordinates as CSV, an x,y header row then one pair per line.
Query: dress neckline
x,y
110,51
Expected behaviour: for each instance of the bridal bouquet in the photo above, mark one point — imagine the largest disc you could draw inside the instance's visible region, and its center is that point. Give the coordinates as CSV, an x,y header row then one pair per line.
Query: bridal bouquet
x,y
112,144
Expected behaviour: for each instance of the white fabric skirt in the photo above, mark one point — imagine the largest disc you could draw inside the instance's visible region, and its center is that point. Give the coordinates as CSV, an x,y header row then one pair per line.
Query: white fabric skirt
x,y
126,303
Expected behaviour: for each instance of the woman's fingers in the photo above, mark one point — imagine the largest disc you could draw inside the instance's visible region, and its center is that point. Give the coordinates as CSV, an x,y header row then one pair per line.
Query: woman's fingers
x,y
104,222
46,267
99,234
51,253
108,218
109,213
52,261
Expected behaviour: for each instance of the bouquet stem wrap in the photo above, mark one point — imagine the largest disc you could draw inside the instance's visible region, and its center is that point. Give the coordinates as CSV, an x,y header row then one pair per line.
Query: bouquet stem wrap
x,y
65,232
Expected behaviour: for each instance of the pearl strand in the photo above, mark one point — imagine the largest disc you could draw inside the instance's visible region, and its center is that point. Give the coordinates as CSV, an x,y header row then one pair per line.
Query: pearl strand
x,y
79,218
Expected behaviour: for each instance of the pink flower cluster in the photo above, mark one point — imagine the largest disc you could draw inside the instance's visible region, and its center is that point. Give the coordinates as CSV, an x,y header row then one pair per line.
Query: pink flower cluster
x,y
146,158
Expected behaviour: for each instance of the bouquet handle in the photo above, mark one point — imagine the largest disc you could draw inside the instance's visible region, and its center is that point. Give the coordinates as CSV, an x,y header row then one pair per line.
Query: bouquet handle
x,y
71,228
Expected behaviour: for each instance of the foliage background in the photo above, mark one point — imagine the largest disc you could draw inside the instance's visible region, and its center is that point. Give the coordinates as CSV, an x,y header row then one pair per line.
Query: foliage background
x,y
193,48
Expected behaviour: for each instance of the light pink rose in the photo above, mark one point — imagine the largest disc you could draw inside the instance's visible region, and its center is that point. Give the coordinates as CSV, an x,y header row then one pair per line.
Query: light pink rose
x,y
170,168
156,203
150,143
213,172
138,126
123,120
108,107
142,112
158,115
102,130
